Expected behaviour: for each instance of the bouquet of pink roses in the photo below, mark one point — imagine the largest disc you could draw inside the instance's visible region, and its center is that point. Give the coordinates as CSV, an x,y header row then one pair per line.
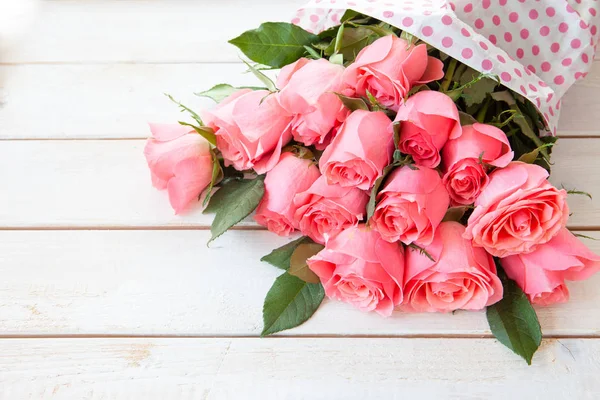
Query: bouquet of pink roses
x,y
418,182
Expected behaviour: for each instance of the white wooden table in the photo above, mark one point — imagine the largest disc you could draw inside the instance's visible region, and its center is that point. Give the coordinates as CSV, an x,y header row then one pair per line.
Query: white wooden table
x,y
105,294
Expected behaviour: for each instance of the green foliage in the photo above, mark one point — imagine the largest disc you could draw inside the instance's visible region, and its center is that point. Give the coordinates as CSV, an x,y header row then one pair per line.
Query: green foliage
x,y
280,257
353,103
289,303
513,321
221,91
233,202
298,266
275,44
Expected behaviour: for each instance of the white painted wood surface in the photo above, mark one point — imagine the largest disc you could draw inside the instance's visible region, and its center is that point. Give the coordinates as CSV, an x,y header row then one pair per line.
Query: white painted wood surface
x,y
325,368
90,251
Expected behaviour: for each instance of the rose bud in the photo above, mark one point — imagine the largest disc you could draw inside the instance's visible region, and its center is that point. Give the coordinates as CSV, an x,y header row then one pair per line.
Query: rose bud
x,y
180,161
308,93
389,68
324,210
362,148
517,211
410,206
360,268
427,120
460,277
466,159
251,127
542,273
291,175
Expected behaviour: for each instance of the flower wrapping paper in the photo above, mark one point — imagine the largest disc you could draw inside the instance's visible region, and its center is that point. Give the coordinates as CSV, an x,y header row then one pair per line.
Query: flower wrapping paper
x,y
536,48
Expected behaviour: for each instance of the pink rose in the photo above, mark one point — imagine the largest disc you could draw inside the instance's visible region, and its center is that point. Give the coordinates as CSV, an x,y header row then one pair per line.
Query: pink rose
x,y
324,210
465,176
542,273
517,211
362,148
427,120
179,161
289,177
389,68
479,141
360,268
251,127
461,277
411,206
308,93
465,181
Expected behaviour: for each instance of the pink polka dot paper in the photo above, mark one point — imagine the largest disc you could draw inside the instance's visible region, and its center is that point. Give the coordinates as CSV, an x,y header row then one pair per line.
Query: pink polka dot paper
x,y
538,48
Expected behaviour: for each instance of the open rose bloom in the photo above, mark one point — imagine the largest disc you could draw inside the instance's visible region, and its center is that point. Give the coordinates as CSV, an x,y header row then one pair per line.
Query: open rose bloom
x,y
406,152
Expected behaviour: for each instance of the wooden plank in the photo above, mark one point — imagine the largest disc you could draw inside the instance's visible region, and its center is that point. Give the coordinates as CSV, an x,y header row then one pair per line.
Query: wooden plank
x,y
116,101
105,183
143,31
294,369
170,283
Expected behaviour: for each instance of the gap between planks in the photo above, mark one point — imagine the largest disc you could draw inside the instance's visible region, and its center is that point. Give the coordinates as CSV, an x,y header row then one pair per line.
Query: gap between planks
x,y
297,336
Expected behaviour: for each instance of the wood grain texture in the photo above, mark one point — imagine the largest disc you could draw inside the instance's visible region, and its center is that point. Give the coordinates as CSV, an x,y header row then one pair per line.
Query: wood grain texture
x,y
105,183
144,31
117,101
170,283
264,369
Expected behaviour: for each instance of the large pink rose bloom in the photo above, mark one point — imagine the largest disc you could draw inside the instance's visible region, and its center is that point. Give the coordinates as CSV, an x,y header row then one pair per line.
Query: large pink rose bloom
x,y
308,90
362,148
465,160
410,206
389,68
179,161
360,268
461,277
289,177
542,273
427,120
518,211
251,127
325,210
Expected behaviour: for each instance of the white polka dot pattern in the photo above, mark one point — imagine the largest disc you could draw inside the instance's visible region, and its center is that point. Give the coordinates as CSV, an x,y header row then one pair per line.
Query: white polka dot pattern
x,y
538,48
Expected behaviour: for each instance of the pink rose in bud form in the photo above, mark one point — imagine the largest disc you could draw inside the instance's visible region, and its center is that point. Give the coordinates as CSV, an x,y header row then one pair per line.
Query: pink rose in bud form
x,y
360,151
461,277
517,211
465,181
389,68
324,210
465,160
410,206
251,128
360,268
478,141
427,120
180,161
308,90
289,177
542,273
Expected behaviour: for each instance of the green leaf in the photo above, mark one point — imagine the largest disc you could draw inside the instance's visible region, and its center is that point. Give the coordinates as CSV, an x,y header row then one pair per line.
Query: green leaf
x,y
580,193
513,321
217,175
298,266
339,39
348,15
313,53
183,108
353,40
476,93
373,198
233,202
289,303
221,91
204,131
337,59
466,119
280,257
532,156
262,77
455,213
352,103
274,43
